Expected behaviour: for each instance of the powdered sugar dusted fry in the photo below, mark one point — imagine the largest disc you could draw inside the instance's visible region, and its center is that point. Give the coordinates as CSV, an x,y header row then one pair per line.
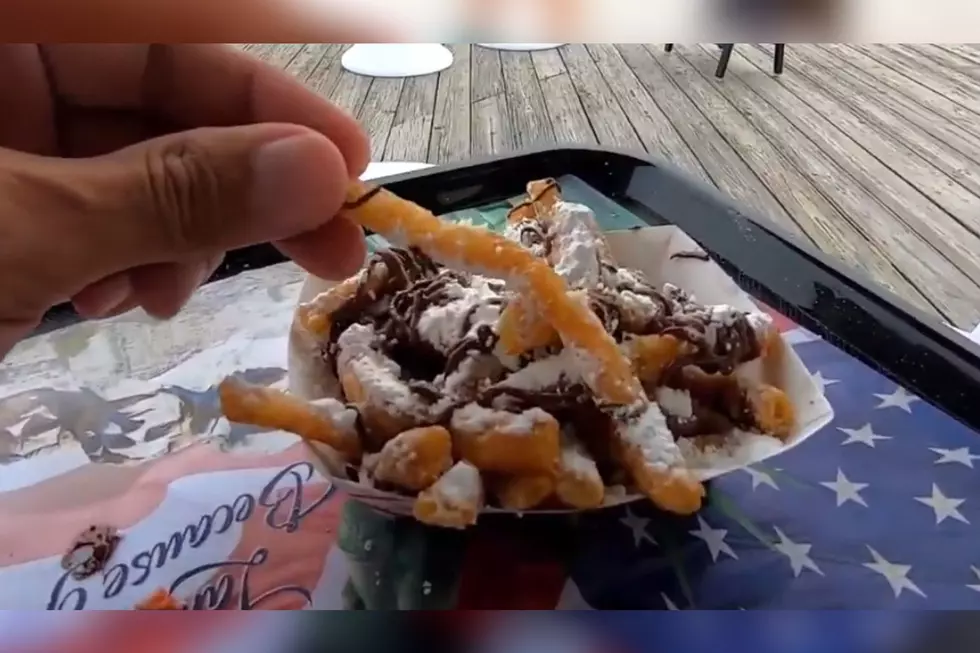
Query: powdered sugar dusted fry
x,y
315,315
579,484
608,371
647,450
325,420
522,330
454,501
505,442
522,492
372,382
414,459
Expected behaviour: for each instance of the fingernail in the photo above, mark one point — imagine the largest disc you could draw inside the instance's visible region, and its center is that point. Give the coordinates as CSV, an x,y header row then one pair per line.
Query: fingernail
x,y
284,190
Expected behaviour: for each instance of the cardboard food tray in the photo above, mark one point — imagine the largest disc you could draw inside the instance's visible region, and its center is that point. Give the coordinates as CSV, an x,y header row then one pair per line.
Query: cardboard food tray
x,y
648,249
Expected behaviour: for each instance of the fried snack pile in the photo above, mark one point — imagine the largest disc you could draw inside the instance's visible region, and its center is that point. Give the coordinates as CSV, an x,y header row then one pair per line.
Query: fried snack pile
x,y
525,370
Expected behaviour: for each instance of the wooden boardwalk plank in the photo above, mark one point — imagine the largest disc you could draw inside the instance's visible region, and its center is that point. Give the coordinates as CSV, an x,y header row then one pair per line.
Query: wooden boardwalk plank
x,y
378,112
723,164
350,91
326,76
492,132
411,130
610,124
921,266
867,83
943,190
813,213
897,81
525,101
548,63
309,57
451,121
949,59
657,134
904,200
565,111
900,127
943,78
968,56
487,72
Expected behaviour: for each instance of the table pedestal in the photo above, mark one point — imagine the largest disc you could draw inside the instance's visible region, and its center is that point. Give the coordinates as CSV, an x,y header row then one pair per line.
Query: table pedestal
x,y
396,59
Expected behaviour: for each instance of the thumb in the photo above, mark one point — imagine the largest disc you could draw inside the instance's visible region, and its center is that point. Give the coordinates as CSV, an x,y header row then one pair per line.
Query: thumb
x,y
199,191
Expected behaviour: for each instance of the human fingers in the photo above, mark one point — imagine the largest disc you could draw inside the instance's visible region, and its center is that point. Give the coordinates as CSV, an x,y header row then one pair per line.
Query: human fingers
x,y
195,85
170,199
161,289
333,251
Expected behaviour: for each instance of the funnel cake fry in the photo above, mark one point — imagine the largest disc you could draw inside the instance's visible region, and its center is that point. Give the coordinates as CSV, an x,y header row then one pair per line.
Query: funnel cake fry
x,y
324,420
454,501
505,442
579,483
414,459
522,492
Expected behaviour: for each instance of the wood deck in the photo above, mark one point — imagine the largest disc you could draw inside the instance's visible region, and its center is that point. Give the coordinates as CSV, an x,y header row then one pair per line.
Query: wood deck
x,y
872,153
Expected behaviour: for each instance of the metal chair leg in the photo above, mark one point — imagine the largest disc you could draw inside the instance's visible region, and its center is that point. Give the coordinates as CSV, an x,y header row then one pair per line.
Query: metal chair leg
x,y
726,54
668,47
777,59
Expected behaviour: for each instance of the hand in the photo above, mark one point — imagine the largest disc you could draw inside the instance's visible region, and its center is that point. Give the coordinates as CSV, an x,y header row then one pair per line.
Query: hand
x,y
127,171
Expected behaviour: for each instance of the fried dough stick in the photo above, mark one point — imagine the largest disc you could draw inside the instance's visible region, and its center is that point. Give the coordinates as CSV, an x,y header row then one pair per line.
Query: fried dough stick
x,y
325,420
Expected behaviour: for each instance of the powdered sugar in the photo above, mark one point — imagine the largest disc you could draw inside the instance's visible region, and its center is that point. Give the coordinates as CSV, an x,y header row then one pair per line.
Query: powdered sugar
x,y
736,449
576,244
461,485
675,402
378,375
546,372
474,418
342,416
443,326
574,459
649,433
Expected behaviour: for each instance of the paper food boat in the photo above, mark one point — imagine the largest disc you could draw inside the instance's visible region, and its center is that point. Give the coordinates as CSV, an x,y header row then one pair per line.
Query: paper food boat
x,y
648,249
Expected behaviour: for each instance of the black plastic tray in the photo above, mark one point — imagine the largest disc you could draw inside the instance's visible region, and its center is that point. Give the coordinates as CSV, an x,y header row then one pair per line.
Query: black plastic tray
x,y
837,303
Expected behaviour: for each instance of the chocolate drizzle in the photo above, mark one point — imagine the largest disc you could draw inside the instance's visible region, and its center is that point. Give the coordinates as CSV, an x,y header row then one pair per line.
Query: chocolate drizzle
x,y
719,403
362,200
719,345
697,255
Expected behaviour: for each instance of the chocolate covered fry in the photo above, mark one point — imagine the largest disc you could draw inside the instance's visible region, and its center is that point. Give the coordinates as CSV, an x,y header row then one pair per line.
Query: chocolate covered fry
x,y
605,369
415,459
324,420
454,501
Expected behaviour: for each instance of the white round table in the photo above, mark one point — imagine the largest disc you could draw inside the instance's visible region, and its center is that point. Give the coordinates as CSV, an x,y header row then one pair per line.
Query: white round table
x,y
524,47
396,59
379,169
